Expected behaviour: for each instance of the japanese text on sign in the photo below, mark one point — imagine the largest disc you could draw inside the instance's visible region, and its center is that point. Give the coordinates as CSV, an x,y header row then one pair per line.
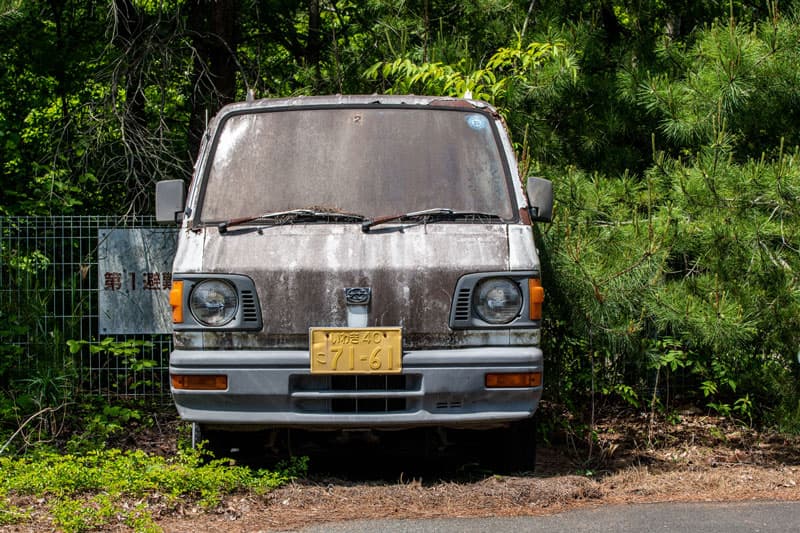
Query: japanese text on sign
x,y
134,279
148,281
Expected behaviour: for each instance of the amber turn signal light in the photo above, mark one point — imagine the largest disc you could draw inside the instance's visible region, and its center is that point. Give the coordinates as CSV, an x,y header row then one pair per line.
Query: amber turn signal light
x,y
176,301
513,380
199,382
536,293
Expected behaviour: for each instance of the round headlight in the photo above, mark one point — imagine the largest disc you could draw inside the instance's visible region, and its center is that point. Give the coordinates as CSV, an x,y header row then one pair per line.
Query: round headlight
x,y
213,302
497,300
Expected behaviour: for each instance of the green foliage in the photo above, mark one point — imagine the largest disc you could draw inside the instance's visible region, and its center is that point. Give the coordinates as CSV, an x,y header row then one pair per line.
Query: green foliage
x,y
625,392
670,355
510,69
702,253
129,351
92,491
726,87
98,511
9,513
9,353
95,421
690,270
37,377
22,318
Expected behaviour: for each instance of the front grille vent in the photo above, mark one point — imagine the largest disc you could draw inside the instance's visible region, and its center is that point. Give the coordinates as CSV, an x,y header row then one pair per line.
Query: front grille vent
x,y
368,383
449,405
371,405
462,309
355,393
249,307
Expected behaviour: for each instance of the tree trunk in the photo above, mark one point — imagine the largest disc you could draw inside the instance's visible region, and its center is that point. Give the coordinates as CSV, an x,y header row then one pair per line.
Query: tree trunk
x,y
610,22
215,36
127,33
314,42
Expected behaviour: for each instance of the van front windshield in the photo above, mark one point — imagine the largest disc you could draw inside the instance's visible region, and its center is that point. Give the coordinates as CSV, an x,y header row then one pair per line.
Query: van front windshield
x,y
371,161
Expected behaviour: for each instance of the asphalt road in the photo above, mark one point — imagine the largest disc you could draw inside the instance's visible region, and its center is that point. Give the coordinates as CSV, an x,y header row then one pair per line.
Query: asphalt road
x,y
750,517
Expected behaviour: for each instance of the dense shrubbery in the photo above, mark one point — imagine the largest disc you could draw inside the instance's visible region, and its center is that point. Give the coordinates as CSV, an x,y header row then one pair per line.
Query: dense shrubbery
x,y
679,279
692,265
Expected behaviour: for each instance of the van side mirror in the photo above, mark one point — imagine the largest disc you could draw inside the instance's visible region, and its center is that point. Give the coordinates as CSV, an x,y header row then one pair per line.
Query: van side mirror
x,y
540,199
170,198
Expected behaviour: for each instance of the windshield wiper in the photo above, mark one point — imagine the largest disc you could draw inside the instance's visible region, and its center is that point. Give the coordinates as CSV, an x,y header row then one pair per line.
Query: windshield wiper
x,y
437,213
285,217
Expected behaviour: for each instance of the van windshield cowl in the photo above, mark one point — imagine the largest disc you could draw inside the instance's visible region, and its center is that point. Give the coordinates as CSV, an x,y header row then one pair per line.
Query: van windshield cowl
x,y
369,160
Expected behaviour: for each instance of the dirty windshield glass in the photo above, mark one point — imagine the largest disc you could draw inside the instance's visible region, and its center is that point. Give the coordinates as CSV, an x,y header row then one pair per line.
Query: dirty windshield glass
x,y
369,161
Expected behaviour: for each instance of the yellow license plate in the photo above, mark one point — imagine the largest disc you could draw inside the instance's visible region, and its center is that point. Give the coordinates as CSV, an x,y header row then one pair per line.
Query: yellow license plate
x,y
356,350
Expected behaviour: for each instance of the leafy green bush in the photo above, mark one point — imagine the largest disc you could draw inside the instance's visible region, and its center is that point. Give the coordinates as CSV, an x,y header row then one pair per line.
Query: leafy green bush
x,y
703,254
672,271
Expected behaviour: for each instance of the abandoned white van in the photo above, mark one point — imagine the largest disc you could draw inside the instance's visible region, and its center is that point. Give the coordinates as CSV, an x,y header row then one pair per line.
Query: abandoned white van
x,y
357,263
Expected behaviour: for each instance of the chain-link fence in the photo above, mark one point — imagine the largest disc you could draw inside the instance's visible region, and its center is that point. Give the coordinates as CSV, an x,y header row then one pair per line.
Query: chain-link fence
x,y
49,311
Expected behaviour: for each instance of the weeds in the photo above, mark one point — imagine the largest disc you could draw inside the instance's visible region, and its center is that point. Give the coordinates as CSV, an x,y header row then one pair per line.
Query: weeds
x,y
100,489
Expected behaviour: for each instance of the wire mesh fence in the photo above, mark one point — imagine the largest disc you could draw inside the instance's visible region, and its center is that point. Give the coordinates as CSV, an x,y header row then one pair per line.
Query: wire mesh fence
x,y
49,287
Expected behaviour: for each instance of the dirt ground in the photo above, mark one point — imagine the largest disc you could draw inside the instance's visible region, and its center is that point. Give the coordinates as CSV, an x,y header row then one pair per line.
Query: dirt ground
x,y
701,458
632,460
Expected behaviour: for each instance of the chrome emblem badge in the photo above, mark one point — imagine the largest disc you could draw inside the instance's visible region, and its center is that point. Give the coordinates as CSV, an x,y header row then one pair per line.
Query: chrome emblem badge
x,y
357,295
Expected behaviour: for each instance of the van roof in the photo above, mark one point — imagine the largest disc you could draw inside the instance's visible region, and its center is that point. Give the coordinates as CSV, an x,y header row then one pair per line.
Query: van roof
x,y
348,99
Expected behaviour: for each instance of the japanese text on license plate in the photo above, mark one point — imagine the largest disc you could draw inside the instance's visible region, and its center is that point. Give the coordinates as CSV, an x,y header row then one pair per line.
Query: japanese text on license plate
x,y
356,351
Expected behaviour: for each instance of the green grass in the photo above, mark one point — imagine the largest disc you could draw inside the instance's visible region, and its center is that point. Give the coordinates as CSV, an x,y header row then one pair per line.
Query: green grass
x,y
100,489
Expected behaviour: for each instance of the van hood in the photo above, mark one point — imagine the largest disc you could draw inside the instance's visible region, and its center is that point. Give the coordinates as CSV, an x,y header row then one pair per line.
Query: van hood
x,y
301,273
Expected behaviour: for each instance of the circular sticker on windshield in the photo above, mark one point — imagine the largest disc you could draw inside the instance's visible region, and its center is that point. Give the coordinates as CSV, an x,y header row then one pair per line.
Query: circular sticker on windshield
x,y
477,122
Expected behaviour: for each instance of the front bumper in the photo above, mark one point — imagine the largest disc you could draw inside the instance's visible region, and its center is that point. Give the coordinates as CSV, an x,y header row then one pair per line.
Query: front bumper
x,y
436,388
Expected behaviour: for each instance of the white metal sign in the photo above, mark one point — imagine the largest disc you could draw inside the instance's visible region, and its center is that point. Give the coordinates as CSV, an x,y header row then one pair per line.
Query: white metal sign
x,y
135,276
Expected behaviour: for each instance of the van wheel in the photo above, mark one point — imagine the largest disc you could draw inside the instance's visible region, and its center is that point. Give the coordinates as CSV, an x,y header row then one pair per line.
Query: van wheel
x,y
519,446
